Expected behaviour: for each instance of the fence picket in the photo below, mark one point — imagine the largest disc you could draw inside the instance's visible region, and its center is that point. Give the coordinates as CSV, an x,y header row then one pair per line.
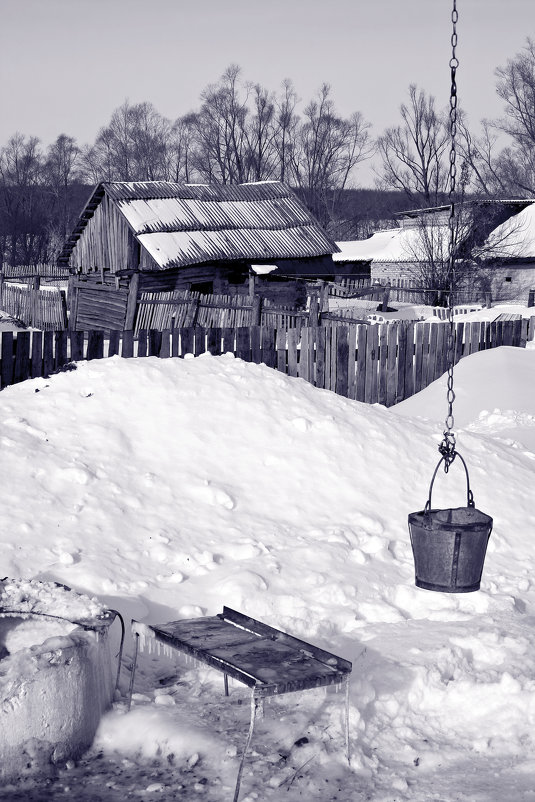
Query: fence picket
x,y
342,359
402,355
352,362
409,361
37,355
48,352
391,368
362,334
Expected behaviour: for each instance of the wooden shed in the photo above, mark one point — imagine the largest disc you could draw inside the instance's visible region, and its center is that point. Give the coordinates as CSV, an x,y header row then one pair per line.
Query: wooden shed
x,y
157,236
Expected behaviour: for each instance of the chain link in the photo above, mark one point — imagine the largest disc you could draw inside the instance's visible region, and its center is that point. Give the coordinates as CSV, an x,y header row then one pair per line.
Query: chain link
x,y
448,444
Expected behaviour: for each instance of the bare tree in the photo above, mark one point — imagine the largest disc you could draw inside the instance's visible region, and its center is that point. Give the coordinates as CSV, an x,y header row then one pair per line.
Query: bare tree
x,y
414,153
60,173
510,169
328,149
132,147
221,130
22,201
286,123
260,135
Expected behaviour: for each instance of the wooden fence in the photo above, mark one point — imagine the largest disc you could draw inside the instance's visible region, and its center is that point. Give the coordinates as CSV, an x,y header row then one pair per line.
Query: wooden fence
x,y
44,309
43,270
184,308
375,364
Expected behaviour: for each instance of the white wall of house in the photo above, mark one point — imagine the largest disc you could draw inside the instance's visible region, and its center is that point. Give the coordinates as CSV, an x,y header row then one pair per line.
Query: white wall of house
x,y
512,282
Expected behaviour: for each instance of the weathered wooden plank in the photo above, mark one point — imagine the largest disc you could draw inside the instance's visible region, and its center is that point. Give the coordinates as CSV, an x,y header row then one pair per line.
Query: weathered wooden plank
x,y
459,337
95,345
127,350
420,333
175,342
342,360
165,345
362,337
372,348
334,351
155,342
282,351
61,357
267,342
328,357
229,340
391,360
292,351
199,334
213,341
77,345
402,355
351,362
303,365
517,334
320,356
499,333
409,361
256,354
243,343
114,343
437,356
142,343
22,356
48,353
507,332
37,354
7,358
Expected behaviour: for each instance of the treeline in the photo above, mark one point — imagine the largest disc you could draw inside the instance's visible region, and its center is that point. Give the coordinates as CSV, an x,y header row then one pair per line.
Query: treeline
x,y
244,132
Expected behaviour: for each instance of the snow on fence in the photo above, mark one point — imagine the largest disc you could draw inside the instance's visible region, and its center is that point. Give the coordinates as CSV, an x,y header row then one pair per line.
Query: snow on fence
x,y
376,364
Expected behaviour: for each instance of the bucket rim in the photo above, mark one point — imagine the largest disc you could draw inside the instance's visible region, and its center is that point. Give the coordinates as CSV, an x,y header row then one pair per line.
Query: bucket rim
x,y
421,515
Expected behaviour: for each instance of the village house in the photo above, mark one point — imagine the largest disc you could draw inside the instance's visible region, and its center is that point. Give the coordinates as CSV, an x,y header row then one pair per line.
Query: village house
x,y
154,237
494,238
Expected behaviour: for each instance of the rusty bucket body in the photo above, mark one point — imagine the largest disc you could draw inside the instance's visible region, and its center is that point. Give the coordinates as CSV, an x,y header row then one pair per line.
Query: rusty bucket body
x,y
449,545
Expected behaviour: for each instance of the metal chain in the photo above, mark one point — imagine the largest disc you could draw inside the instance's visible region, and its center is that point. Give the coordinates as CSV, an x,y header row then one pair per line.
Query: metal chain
x,y
448,444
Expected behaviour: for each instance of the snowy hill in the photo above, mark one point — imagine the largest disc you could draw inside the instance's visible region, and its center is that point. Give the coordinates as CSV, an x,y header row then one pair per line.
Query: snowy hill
x,y
169,488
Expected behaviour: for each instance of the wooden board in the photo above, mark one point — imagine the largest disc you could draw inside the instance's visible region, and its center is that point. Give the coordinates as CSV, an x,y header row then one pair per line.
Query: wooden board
x,y
266,659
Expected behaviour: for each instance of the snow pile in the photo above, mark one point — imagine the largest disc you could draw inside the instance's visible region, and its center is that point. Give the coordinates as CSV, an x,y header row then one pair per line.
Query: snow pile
x,y
47,598
170,488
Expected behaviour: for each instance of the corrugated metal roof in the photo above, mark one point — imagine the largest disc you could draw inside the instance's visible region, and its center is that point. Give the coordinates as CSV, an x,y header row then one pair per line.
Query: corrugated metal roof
x,y
179,248
181,224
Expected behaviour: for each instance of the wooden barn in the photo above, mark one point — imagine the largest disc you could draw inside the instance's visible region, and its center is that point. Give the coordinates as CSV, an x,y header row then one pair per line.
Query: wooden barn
x,y
153,237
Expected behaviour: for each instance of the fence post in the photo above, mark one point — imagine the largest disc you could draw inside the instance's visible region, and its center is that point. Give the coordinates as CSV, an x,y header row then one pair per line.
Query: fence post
x,y
386,295
257,311
531,298
314,314
1,289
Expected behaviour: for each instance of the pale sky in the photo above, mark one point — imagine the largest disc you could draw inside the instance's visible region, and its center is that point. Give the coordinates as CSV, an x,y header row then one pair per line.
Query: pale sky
x,y
65,65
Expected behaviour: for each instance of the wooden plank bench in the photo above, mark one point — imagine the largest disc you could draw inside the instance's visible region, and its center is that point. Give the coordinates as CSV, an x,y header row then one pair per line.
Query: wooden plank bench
x,y
267,660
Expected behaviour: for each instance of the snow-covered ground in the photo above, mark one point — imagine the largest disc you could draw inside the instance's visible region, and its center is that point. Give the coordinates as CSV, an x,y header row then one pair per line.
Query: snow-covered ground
x,y
169,488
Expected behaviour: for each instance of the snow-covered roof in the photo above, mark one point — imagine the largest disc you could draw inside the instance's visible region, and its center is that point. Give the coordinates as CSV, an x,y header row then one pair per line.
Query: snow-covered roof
x,y
513,239
396,245
184,224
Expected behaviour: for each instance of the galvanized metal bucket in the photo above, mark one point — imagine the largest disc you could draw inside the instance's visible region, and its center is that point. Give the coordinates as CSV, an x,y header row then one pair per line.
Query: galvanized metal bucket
x,y
449,545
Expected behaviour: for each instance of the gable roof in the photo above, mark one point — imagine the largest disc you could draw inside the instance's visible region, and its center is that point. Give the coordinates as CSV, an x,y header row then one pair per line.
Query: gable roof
x,y
184,224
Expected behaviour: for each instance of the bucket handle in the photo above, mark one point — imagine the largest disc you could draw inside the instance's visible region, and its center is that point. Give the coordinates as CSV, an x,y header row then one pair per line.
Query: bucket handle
x,y
469,496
